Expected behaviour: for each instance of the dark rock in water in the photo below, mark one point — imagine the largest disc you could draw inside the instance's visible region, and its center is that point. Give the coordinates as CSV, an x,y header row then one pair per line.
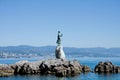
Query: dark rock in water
x,y
86,69
106,67
57,67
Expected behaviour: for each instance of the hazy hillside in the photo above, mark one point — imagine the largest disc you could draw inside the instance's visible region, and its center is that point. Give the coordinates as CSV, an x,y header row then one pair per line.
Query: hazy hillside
x,y
47,50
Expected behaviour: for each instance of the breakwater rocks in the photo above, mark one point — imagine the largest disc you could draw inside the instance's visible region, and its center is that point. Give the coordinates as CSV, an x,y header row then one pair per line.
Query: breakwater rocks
x,y
57,67
106,67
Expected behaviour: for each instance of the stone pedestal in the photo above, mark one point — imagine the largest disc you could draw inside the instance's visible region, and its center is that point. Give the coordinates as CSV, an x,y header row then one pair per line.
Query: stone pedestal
x,y
59,53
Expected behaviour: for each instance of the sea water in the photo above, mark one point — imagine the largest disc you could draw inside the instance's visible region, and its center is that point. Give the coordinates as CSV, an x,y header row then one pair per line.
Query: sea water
x,y
90,61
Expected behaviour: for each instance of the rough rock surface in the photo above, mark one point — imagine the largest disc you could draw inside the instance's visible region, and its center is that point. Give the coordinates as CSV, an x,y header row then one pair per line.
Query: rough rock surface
x,y
61,67
6,70
57,67
26,67
106,67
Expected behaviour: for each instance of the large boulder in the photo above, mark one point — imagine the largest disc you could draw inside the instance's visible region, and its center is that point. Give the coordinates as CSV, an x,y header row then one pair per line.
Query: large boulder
x,y
106,67
6,70
61,67
26,67
17,66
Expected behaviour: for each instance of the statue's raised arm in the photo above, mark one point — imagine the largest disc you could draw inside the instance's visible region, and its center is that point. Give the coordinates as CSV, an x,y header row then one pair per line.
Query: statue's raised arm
x,y
59,38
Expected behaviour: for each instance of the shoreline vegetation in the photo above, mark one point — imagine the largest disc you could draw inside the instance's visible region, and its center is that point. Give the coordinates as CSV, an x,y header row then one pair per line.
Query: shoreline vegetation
x,y
57,67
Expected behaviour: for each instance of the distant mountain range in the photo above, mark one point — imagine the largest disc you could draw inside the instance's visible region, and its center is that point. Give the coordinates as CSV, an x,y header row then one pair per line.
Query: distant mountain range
x,y
49,50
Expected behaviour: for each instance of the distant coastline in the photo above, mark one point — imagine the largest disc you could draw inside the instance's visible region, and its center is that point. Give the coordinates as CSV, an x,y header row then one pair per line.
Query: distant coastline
x,y
31,51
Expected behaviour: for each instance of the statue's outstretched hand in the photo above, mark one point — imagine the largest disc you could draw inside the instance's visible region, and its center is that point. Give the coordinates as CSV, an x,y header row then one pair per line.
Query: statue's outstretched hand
x,y
61,35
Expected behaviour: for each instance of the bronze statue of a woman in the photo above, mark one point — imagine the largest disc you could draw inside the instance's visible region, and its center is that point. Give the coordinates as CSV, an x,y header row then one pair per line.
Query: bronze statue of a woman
x,y
59,38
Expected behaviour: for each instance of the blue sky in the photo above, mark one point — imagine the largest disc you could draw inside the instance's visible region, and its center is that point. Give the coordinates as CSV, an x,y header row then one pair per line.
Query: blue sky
x,y
84,23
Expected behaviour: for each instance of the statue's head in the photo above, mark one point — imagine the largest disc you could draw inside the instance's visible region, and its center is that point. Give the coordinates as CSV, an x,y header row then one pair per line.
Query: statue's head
x,y
58,31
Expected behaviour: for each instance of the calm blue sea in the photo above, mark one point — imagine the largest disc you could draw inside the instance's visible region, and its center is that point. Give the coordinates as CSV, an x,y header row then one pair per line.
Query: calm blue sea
x,y
90,61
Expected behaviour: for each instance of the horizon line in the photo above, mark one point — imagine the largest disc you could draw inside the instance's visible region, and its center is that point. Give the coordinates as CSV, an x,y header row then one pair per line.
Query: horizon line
x,y
55,45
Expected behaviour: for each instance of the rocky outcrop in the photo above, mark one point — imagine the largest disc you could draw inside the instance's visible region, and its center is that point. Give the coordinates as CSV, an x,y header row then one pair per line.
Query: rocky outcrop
x,y
25,67
61,67
6,70
106,67
57,67
85,69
